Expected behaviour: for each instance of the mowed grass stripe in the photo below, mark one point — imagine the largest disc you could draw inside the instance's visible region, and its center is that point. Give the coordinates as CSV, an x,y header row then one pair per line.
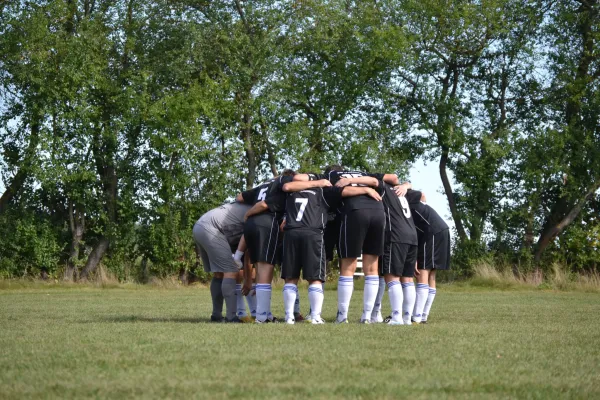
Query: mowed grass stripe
x,y
118,343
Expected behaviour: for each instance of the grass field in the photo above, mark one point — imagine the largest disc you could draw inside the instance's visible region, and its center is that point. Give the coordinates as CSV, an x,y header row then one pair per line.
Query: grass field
x,y
147,342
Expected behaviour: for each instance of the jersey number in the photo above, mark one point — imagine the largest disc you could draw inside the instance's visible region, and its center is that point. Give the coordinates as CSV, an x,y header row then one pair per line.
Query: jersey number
x,y
405,207
303,204
262,194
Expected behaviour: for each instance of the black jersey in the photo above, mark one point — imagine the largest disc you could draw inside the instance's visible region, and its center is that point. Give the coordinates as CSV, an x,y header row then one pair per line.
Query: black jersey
x,y
354,202
257,193
399,223
427,221
309,208
275,198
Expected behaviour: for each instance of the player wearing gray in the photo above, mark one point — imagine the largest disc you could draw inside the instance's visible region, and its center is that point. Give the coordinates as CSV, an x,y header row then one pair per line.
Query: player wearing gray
x,y
217,234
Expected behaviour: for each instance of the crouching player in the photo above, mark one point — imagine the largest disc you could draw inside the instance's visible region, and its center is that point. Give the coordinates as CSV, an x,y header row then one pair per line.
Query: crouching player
x,y
307,206
433,252
216,234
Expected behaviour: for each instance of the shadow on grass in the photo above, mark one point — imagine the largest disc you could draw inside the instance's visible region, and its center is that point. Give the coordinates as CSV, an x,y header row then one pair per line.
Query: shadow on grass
x,y
140,318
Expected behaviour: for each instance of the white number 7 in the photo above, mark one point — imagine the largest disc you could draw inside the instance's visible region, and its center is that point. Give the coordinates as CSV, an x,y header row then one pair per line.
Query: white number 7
x,y
303,204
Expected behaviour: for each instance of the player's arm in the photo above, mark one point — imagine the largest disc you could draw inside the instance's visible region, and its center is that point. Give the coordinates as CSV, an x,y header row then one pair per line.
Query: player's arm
x,y
350,191
309,177
402,189
258,208
247,286
391,179
363,180
297,186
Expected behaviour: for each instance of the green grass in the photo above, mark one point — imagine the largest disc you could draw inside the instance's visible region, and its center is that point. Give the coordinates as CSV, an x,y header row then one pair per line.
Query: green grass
x,y
155,343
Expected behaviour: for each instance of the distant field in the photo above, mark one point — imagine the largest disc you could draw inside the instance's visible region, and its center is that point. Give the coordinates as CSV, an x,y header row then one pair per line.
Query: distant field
x,y
156,343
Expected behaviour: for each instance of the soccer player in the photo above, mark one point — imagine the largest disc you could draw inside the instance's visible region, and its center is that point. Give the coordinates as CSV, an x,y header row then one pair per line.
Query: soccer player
x,y
216,234
397,265
262,236
361,231
307,206
433,252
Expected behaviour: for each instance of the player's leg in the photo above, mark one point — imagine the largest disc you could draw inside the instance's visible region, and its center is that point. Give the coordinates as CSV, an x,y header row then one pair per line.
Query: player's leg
x,y
290,271
349,246
314,270
441,262
424,264
376,316
264,277
200,237
422,292
290,293
430,296
394,260
408,285
251,297
372,248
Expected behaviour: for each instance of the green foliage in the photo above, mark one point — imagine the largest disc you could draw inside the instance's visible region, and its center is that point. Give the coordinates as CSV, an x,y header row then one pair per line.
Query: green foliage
x,y
122,122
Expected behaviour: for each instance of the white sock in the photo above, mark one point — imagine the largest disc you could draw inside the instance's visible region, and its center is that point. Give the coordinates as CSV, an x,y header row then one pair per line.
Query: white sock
x,y
370,293
408,290
380,293
241,306
263,301
315,298
395,294
297,303
345,289
422,293
289,298
428,303
251,300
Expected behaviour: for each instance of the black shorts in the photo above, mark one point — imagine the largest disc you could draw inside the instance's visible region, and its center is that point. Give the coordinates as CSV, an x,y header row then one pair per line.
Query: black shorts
x,y
398,259
362,232
435,252
304,249
331,237
262,238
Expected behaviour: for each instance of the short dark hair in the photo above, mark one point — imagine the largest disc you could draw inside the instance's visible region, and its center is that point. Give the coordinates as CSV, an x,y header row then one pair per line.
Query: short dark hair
x,y
288,172
333,167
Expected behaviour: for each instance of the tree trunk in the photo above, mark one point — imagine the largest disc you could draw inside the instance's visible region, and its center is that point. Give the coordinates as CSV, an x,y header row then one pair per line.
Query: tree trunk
x,y
450,195
556,229
77,227
94,258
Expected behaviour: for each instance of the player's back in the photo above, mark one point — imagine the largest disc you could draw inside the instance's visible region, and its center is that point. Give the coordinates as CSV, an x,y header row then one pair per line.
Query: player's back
x,y
306,209
400,226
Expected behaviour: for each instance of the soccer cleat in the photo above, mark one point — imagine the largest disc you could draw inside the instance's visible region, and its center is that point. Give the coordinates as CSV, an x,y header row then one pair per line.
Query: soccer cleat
x,y
235,320
392,322
216,319
298,317
423,321
308,317
377,319
290,321
317,321
365,321
387,319
344,321
247,319
414,322
266,321
273,320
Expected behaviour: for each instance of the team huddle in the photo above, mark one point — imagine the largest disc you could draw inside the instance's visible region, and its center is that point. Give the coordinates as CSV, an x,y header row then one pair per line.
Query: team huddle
x,y
297,220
